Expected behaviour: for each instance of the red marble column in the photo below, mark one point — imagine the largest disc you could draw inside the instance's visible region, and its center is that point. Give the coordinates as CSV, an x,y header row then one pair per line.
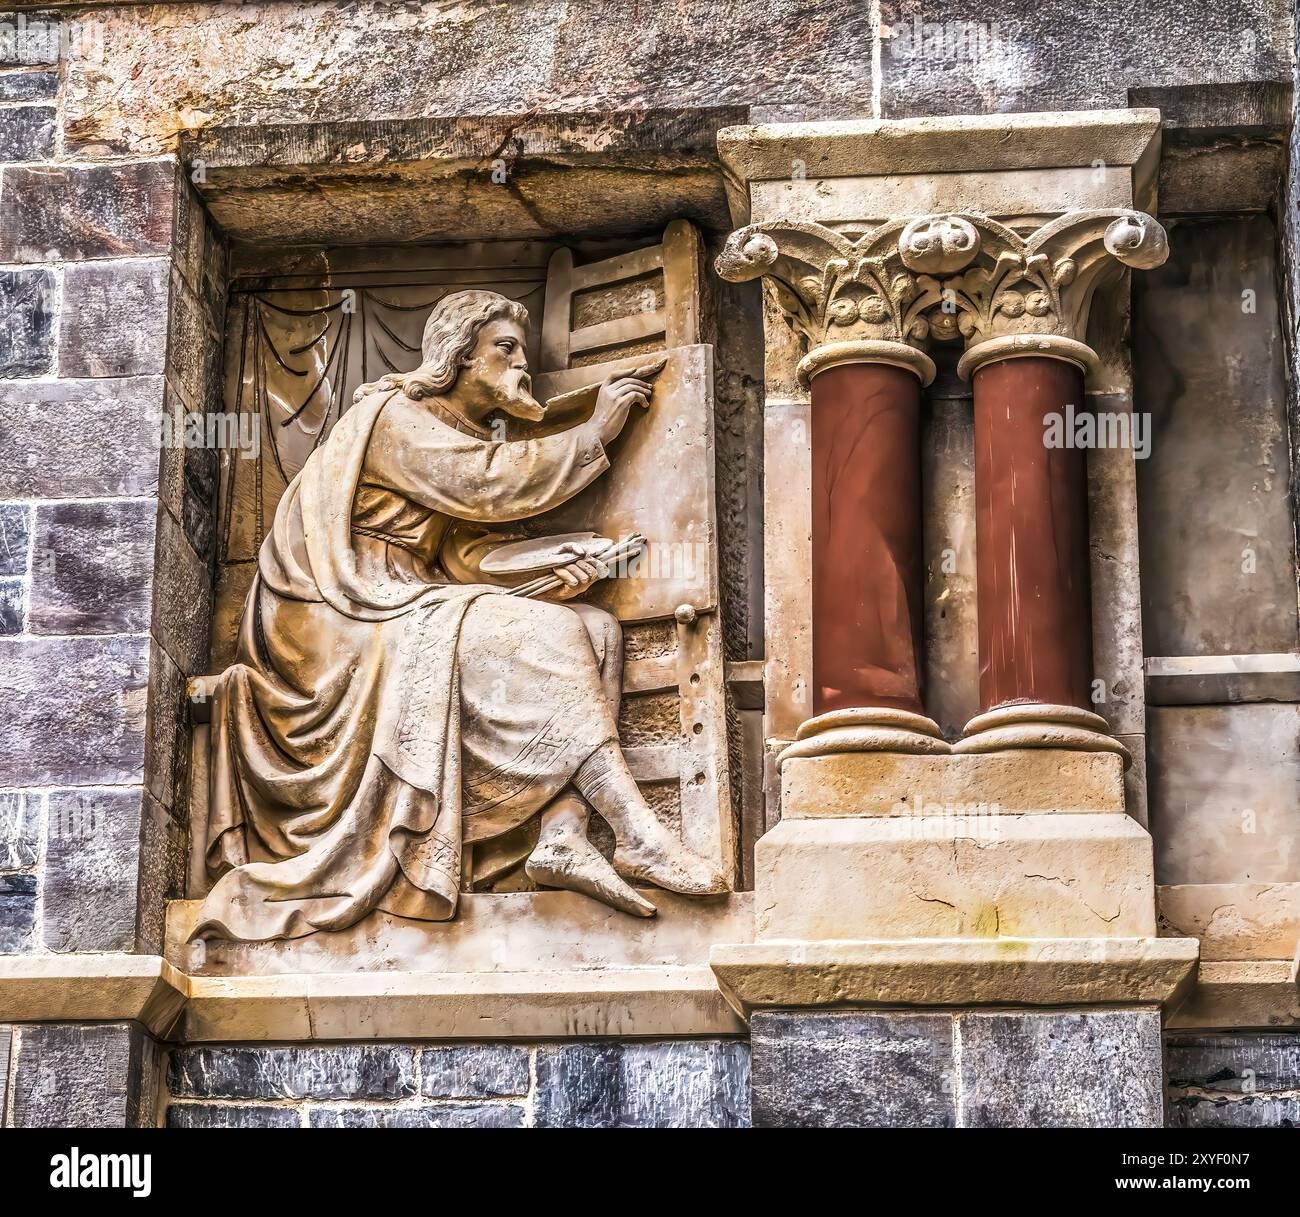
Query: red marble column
x,y
1032,566
867,567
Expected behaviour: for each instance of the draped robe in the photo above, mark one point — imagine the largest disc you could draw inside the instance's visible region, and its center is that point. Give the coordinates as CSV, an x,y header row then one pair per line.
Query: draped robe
x,y
380,712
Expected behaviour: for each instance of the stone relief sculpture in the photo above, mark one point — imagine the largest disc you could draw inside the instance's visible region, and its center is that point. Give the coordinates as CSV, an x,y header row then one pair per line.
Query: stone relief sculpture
x,y
391,699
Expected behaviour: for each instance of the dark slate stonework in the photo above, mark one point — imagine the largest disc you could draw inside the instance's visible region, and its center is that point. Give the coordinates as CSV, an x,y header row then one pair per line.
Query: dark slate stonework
x,y
26,321
432,1115
20,830
74,711
231,1115
17,913
1193,1112
29,38
28,86
474,1071
114,318
1066,54
67,1075
27,133
14,528
1246,1080
92,857
71,439
329,1071
13,593
95,573
677,1084
71,213
852,1069
1062,1069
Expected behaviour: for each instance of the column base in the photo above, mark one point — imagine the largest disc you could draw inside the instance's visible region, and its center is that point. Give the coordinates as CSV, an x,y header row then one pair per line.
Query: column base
x,y
1037,725
865,729
1058,1068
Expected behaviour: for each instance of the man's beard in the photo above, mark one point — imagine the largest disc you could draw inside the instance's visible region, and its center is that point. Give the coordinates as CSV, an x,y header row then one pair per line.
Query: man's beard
x,y
521,403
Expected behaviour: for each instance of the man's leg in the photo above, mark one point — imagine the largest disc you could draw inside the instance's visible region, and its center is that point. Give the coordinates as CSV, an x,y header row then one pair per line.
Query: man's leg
x,y
564,857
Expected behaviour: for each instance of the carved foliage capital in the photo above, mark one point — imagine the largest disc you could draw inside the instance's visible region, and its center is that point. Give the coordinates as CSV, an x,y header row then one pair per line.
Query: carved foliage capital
x,y
943,276
1041,283
833,289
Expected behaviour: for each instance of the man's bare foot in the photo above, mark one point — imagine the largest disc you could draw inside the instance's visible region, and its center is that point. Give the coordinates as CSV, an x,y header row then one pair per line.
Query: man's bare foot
x,y
571,862
667,863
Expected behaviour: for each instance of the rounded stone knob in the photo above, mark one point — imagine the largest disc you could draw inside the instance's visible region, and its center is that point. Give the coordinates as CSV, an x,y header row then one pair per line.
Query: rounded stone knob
x,y
1137,240
938,245
685,613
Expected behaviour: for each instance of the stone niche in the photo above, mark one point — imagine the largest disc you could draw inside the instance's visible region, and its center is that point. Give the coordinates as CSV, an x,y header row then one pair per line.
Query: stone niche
x,y
339,243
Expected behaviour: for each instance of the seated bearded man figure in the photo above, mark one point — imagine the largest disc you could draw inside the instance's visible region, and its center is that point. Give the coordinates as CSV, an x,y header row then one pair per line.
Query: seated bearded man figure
x,y
389,701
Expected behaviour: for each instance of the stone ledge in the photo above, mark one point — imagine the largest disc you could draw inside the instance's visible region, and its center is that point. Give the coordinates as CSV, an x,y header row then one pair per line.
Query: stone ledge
x,y
628,1002
92,988
956,972
1253,994
633,1003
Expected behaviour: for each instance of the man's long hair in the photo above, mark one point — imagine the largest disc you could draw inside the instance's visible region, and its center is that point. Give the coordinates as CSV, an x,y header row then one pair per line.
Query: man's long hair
x,y
449,335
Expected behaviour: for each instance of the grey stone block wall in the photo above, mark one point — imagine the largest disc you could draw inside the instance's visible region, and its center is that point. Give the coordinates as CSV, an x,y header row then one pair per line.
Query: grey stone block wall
x,y
1087,1068
576,1084
1242,1080
69,1075
111,298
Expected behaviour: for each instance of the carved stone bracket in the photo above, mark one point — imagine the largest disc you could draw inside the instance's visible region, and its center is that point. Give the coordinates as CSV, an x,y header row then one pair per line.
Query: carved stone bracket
x,y
849,301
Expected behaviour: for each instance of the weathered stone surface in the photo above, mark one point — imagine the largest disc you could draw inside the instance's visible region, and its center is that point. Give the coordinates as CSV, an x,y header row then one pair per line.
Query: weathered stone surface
x,y
28,86
30,38
13,594
193,349
114,424
433,1115
1195,1112
850,1069
475,1071
683,1084
198,62
182,601
27,133
26,321
74,711
231,1115
20,829
338,1071
1223,783
15,525
1059,1068
114,318
17,913
6,1047
94,572
167,737
68,213
1243,1064
71,1076
1062,55
1217,556
90,880
163,857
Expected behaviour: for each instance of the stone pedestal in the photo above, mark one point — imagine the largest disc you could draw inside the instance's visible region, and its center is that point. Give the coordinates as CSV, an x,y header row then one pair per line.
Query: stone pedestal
x,y
985,923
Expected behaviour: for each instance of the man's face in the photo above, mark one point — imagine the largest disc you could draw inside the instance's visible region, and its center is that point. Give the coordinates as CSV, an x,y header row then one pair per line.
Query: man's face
x,y
495,375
